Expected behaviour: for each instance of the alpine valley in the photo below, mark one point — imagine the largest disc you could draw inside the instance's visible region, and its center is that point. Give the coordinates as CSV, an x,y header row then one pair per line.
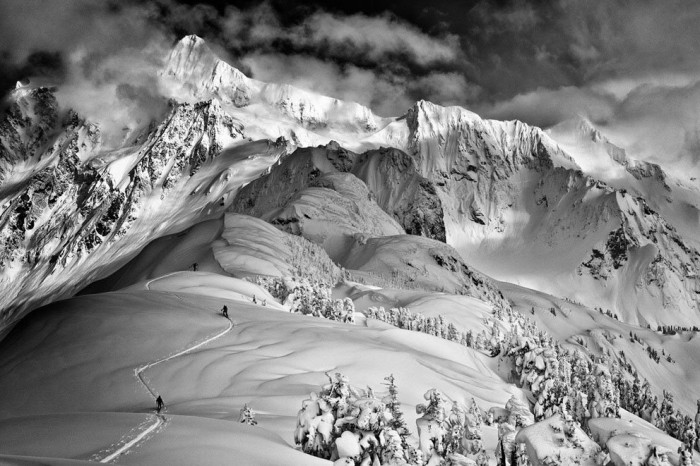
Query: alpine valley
x,y
432,288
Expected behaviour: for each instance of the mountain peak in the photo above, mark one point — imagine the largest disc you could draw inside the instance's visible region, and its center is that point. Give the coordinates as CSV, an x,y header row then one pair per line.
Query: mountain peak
x,y
200,71
192,39
189,50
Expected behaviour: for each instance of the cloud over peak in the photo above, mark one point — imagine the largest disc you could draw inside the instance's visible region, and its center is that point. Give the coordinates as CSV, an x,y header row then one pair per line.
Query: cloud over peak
x,y
540,62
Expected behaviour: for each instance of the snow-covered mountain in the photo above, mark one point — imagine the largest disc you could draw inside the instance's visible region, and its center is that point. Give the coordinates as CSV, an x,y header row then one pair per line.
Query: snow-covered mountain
x,y
72,214
519,208
515,203
269,110
293,209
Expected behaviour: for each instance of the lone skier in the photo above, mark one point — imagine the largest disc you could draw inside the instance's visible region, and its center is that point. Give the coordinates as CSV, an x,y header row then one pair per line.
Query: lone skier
x,y
159,403
194,267
224,311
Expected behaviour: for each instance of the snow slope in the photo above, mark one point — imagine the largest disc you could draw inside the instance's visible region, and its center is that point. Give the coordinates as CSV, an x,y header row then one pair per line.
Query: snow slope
x,y
593,224
677,201
565,212
72,366
75,220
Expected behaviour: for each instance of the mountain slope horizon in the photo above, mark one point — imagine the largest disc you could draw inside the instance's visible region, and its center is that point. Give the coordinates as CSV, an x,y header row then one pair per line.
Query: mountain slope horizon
x,y
479,168
256,248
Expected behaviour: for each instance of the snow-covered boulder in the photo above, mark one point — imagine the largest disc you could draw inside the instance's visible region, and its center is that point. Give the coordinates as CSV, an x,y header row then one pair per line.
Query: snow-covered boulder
x,y
556,441
633,439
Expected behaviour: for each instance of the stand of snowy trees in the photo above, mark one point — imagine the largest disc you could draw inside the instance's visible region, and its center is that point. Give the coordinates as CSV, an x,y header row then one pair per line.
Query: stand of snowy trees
x,y
436,326
351,426
308,297
563,381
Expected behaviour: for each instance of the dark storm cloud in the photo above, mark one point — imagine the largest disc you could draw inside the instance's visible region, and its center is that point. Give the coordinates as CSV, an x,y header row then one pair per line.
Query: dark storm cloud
x,y
379,60
91,50
49,65
341,49
547,107
629,65
567,42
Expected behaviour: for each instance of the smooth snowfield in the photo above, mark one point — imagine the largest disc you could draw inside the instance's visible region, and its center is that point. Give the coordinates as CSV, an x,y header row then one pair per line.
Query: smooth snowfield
x,y
72,365
158,420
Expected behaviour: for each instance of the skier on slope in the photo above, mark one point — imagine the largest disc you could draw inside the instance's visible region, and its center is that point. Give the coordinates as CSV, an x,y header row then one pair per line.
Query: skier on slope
x,y
159,403
224,311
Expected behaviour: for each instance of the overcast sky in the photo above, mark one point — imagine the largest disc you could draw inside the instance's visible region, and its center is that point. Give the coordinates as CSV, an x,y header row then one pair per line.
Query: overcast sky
x,y
632,67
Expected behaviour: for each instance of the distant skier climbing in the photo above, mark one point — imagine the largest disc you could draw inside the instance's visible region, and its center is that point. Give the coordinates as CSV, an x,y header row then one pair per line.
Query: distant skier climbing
x,y
159,403
194,267
224,311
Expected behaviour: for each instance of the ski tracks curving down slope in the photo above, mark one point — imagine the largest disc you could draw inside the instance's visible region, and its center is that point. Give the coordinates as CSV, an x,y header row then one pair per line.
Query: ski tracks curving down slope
x,y
159,420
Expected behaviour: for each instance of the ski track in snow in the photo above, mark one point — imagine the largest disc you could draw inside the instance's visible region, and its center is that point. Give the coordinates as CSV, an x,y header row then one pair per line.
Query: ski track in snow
x,y
160,420
138,372
148,283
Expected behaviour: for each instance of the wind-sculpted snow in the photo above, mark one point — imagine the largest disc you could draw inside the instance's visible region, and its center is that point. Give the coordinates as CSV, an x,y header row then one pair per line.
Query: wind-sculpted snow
x,y
305,195
394,181
676,200
252,247
407,261
330,209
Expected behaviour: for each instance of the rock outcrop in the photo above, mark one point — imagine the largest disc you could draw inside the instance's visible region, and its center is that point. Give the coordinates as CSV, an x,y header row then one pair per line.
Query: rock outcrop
x,y
387,178
72,217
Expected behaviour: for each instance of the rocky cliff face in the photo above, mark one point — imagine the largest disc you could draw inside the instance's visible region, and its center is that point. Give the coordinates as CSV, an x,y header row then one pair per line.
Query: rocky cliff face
x,y
343,201
585,131
394,181
650,263
520,208
387,178
196,72
473,161
510,199
71,217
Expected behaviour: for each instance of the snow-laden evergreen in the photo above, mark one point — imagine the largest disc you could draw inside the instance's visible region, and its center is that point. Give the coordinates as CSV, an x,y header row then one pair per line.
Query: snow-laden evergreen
x,y
565,382
343,423
352,426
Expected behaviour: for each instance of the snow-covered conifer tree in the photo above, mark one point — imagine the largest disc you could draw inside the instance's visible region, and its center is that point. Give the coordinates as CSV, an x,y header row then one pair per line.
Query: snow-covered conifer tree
x,y
247,416
397,422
